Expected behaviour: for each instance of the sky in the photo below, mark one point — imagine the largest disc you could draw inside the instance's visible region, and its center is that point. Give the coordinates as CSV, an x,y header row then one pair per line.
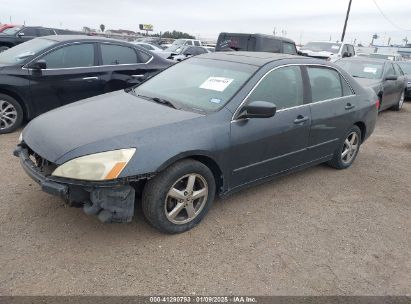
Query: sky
x,y
299,20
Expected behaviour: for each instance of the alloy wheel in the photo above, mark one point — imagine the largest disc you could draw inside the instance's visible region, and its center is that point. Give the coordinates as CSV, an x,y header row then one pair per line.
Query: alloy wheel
x,y
8,115
186,199
350,147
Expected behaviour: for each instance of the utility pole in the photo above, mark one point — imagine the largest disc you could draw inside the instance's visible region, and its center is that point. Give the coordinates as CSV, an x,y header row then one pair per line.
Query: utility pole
x,y
346,20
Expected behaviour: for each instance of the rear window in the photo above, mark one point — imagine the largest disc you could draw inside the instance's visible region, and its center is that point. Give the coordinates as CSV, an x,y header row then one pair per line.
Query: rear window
x,y
236,43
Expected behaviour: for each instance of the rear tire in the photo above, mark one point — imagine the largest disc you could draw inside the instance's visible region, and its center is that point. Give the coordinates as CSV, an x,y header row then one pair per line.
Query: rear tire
x,y
178,198
400,103
11,114
347,149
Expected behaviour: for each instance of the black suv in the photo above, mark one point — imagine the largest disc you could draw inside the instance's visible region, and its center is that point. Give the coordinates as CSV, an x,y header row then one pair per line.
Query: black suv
x,y
18,34
255,43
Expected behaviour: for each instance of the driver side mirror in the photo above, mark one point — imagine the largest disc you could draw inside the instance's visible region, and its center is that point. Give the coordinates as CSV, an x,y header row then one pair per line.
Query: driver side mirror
x,y
391,77
258,109
38,65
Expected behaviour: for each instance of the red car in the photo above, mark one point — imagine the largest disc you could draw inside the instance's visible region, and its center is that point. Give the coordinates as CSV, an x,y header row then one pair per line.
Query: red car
x,y
6,26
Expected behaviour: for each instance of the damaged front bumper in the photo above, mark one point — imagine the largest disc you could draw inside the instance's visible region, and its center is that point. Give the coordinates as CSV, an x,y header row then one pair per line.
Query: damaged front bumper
x,y
111,201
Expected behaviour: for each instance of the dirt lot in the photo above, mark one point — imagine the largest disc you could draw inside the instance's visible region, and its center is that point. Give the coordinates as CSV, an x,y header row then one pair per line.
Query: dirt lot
x,y
320,231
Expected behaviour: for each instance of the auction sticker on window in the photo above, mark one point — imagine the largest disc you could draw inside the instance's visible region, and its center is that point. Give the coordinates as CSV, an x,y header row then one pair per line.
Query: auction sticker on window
x,y
216,83
370,70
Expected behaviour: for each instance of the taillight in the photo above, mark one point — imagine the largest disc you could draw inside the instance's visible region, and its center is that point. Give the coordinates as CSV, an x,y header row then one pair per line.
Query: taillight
x,y
377,103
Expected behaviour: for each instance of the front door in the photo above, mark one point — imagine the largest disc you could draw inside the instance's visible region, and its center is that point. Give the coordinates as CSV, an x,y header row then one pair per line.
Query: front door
x,y
263,147
70,76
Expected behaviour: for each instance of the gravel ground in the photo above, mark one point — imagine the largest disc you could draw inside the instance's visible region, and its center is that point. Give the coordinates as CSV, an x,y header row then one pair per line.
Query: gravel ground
x,y
317,232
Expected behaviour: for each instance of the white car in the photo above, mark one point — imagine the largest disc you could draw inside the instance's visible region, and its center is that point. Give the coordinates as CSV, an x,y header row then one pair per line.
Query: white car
x,y
327,50
155,49
189,51
178,44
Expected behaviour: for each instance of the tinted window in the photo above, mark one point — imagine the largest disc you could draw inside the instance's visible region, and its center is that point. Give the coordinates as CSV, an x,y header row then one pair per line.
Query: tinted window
x,y
45,32
235,43
147,47
282,87
270,45
346,88
189,42
325,83
197,43
289,48
389,70
117,54
72,56
30,31
351,50
143,57
398,71
201,50
190,51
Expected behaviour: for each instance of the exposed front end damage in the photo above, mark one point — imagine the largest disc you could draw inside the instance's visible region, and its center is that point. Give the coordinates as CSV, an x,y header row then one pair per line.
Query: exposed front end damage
x,y
111,201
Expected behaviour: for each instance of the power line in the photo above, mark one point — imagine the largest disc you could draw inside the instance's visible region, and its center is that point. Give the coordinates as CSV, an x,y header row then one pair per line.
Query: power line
x,y
388,19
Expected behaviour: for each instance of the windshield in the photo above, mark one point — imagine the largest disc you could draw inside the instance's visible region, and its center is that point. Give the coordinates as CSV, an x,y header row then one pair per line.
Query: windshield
x,y
11,30
369,70
322,46
406,67
200,85
381,56
25,50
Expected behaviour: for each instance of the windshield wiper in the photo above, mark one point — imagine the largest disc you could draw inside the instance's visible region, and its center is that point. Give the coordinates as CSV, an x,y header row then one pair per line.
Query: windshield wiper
x,y
356,76
159,100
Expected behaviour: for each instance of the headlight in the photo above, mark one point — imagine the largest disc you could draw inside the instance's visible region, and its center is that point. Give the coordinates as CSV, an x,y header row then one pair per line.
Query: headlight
x,y
96,167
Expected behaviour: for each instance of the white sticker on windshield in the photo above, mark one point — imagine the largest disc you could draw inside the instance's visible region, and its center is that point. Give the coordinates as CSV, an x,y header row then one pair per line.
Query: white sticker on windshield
x,y
335,47
390,58
215,100
370,70
216,83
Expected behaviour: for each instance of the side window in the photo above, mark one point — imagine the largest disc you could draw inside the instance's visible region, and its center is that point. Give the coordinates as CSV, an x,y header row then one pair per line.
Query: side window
x,y
189,42
389,70
113,54
271,45
345,50
289,48
398,70
189,51
351,51
196,43
347,91
325,83
147,47
29,31
143,57
72,56
201,50
45,32
282,87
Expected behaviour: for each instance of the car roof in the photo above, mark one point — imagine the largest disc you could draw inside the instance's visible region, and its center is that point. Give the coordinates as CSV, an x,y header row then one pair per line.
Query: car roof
x,y
64,38
252,58
259,35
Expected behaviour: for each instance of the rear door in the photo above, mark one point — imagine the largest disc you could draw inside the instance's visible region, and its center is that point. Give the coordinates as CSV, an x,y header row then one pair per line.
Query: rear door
x,y
332,105
390,87
70,75
400,81
122,66
269,146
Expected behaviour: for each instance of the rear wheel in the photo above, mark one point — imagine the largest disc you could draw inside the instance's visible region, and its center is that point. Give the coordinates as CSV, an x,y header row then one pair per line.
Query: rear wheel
x,y
347,150
178,198
400,103
11,114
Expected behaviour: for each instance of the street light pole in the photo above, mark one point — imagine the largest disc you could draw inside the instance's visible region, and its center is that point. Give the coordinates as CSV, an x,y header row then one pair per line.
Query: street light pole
x,y
346,20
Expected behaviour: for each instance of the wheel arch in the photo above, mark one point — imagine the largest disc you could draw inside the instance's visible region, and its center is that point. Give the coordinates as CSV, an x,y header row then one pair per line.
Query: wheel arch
x,y
203,158
20,100
363,129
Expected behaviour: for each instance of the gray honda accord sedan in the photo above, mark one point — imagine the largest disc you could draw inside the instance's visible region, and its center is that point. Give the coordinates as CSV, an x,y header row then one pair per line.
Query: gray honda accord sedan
x,y
208,126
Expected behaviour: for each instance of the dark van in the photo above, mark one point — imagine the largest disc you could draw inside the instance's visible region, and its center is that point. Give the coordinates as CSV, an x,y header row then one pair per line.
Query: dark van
x,y
255,43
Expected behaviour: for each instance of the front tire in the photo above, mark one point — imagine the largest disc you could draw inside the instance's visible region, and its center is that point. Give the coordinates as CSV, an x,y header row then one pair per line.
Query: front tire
x,y
400,103
347,150
11,114
178,198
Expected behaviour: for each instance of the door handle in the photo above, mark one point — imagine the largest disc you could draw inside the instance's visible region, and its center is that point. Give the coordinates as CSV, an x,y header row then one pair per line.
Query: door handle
x,y
90,78
138,76
349,106
300,119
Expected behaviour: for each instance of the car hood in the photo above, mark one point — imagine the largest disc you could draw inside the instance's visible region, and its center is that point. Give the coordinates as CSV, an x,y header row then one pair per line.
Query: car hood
x,y
106,119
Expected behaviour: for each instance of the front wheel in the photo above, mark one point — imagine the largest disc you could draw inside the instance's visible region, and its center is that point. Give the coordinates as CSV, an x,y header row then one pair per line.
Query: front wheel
x,y
400,103
347,150
178,198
